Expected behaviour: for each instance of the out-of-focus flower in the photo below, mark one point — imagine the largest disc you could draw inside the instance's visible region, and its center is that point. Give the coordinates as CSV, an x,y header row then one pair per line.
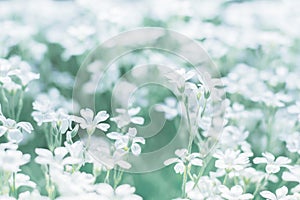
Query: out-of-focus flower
x,y
11,159
169,107
35,194
235,193
90,123
206,189
281,194
184,160
273,166
126,117
22,180
293,174
179,77
127,142
122,192
57,159
293,142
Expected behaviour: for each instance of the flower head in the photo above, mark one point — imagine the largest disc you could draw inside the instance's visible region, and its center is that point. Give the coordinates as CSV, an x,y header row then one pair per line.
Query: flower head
x,y
235,193
122,192
127,142
281,194
126,117
273,166
184,160
90,123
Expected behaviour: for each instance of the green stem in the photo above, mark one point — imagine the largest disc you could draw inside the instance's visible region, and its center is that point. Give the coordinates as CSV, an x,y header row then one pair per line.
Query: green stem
x,y
184,180
106,180
20,105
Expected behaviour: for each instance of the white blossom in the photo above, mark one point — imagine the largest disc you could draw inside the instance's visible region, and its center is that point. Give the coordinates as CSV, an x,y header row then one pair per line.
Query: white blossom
x,y
90,123
125,117
273,166
184,160
122,192
235,193
281,194
127,142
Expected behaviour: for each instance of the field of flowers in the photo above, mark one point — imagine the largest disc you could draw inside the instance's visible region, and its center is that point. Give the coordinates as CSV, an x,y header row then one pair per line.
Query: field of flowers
x,y
83,121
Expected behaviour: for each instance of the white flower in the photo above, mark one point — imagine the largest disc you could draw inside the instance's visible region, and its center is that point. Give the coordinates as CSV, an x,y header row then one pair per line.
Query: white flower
x,y
90,123
14,130
293,174
122,192
235,193
273,166
179,77
126,117
32,195
231,160
127,142
22,180
293,142
206,189
56,159
76,151
11,159
184,160
169,107
107,156
81,182
281,194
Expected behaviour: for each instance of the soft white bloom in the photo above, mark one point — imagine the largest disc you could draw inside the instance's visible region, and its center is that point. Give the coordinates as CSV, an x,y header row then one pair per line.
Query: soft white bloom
x,y
206,189
293,174
57,159
127,142
273,166
184,160
11,159
122,192
104,155
32,195
22,180
76,151
90,123
281,194
169,107
179,77
295,109
126,117
82,183
231,160
14,130
293,142
51,106
235,193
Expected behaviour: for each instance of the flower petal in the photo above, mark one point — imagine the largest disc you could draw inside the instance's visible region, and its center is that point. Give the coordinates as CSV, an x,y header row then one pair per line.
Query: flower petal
x,y
137,120
101,116
103,126
87,114
14,135
136,149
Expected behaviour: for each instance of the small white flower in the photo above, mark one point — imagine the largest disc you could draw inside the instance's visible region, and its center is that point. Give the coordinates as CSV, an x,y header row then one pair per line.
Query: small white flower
x,y
22,180
56,160
122,192
281,194
184,160
76,151
32,195
90,123
179,77
293,174
126,117
14,130
206,189
127,142
231,160
235,193
11,159
293,142
273,166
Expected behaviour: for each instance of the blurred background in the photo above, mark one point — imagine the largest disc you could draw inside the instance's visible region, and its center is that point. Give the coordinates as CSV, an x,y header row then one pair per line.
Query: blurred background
x,y
247,39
